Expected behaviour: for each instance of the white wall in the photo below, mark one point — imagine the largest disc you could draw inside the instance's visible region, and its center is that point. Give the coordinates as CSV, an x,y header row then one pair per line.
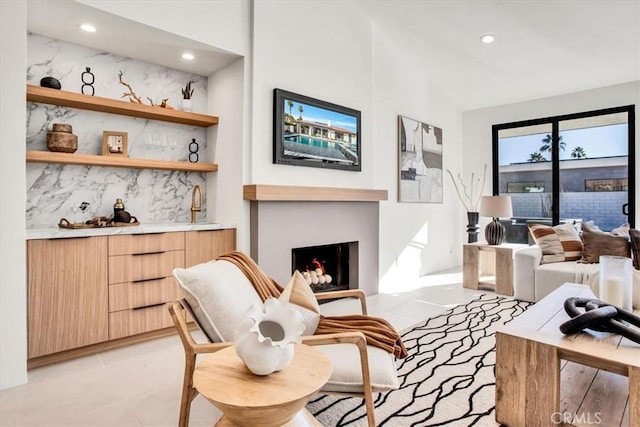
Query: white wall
x,y
356,66
226,99
477,123
415,238
318,50
13,292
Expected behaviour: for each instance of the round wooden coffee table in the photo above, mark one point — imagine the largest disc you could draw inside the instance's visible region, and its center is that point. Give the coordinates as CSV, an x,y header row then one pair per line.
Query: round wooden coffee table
x,y
277,399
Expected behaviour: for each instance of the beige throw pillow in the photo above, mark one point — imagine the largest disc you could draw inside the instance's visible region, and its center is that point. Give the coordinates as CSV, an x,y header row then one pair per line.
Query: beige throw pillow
x,y
558,243
301,298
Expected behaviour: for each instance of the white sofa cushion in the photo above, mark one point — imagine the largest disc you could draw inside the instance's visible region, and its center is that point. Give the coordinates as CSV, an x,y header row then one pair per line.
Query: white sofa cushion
x,y
550,277
219,295
346,376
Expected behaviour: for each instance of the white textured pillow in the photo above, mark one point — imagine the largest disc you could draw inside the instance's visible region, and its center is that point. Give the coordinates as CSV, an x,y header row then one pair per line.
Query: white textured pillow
x,y
219,295
300,297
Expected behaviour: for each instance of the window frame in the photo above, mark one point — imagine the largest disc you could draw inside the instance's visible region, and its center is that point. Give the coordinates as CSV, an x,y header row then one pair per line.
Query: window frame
x,y
555,154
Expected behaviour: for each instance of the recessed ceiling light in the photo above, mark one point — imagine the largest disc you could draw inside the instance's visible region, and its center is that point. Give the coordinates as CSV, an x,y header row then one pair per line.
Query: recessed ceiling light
x,y
487,38
188,56
88,28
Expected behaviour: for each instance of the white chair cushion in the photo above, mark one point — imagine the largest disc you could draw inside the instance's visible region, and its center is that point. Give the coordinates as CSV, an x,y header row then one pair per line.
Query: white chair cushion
x,y
219,295
346,376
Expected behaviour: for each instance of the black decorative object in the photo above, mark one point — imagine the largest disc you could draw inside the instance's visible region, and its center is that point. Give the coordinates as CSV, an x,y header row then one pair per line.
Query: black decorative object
x,y
88,79
472,226
50,82
495,207
599,316
193,151
495,232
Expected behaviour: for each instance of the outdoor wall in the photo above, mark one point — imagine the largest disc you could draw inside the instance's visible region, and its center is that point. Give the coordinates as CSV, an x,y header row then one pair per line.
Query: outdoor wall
x,y
476,124
604,208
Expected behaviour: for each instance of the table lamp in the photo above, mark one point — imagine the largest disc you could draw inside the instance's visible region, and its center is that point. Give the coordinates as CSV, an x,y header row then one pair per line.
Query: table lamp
x,y
495,207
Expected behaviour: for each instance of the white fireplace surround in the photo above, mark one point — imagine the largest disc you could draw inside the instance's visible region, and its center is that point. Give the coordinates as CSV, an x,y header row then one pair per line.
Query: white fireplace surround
x,y
279,224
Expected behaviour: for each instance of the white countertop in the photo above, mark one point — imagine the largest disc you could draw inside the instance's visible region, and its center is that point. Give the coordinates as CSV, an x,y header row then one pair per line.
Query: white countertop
x,y
62,233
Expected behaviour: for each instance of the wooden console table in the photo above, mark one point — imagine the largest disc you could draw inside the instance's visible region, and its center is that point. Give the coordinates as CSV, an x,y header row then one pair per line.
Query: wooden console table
x,y
530,352
495,269
271,400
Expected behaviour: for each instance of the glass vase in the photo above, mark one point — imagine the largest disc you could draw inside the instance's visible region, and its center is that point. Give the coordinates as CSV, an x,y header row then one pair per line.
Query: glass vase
x,y
616,279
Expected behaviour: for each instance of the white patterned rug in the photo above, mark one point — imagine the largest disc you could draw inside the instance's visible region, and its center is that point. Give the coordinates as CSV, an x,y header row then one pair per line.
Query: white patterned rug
x,y
447,379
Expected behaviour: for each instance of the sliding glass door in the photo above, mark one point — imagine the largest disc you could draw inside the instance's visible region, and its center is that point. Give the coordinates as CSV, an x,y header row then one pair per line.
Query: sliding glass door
x,y
574,168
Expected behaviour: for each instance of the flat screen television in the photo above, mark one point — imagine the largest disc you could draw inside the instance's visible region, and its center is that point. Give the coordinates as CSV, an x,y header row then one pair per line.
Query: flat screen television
x,y
311,132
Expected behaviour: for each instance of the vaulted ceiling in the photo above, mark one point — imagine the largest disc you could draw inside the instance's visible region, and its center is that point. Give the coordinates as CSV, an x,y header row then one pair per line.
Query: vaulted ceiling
x,y
542,47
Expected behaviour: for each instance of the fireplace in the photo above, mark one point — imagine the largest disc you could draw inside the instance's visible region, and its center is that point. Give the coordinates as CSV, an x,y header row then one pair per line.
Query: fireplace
x,y
327,268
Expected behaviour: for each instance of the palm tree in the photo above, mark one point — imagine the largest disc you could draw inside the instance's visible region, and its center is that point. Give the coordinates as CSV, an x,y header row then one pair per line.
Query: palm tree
x,y
300,109
290,104
578,153
546,144
536,157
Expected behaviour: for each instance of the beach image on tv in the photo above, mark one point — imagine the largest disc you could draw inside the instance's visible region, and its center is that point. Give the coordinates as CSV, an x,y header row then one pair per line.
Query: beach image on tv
x,y
317,134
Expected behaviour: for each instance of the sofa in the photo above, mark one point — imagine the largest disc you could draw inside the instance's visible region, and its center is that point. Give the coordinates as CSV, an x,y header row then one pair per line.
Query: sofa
x,y
539,269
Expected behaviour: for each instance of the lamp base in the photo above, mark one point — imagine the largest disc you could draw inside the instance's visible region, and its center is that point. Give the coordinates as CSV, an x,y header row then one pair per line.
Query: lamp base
x,y
495,233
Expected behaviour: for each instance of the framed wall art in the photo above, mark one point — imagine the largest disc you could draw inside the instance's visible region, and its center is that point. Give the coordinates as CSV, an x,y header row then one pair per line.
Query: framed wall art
x,y
114,143
311,132
420,161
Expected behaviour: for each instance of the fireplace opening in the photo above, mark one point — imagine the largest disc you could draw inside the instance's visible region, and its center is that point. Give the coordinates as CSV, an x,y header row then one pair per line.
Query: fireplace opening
x,y
328,267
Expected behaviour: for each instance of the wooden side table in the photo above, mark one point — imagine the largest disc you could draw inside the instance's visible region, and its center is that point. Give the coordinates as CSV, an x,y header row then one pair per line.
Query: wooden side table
x,y
272,400
497,272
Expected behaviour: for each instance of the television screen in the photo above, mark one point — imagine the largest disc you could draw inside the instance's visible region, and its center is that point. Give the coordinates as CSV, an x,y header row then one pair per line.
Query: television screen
x,y
311,132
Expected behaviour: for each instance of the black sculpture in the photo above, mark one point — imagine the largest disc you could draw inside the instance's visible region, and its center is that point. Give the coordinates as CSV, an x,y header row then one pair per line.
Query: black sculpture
x,y
88,75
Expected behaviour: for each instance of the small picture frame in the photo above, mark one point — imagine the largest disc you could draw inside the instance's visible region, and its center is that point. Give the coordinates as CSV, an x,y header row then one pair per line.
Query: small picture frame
x,y
114,143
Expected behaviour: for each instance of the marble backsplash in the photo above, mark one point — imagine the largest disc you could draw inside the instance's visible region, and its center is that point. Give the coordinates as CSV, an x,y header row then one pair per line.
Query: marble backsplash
x,y
153,196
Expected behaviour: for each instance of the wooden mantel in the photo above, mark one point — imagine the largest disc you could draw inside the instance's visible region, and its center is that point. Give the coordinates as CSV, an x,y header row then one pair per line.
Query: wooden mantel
x,y
288,193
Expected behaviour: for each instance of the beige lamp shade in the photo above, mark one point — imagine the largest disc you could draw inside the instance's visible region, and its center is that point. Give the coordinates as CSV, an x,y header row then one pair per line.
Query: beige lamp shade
x,y
496,206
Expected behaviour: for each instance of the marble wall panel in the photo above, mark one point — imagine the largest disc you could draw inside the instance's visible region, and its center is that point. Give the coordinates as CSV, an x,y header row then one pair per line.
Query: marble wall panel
x,y
55,191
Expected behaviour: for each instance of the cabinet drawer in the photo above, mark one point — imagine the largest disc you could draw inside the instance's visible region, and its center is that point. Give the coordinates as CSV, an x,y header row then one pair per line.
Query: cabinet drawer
x,y
127,295
132,268
145,243
136,321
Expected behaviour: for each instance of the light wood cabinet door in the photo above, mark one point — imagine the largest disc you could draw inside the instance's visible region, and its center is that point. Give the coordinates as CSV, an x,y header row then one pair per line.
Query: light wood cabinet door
x,y
207,245
137,244
67,294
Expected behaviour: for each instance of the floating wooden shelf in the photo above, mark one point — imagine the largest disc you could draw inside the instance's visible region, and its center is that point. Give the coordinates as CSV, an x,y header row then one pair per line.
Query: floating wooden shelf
x,y
114,106
274,193
117,162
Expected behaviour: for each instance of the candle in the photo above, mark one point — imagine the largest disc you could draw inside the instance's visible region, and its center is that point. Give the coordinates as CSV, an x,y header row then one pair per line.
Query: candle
x,y
614,291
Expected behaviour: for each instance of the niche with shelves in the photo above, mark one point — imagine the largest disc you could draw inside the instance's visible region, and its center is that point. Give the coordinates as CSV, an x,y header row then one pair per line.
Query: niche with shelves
x,y
114,106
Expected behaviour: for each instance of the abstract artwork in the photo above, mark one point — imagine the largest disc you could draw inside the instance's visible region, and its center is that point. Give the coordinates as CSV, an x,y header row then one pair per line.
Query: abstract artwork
x,y
420,161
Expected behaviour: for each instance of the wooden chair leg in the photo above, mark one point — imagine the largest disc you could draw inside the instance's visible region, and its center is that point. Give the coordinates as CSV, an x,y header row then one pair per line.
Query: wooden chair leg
x,y
188,391
366,383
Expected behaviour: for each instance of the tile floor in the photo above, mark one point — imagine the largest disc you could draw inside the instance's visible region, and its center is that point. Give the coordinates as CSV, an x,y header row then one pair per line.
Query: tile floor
x,y
140,385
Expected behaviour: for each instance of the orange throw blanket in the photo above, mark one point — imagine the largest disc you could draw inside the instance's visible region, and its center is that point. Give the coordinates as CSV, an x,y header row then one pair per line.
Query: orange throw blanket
x,y
377,331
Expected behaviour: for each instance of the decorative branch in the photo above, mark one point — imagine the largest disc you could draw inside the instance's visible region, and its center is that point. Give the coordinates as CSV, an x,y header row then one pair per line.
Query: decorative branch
x,y
470,196
132,95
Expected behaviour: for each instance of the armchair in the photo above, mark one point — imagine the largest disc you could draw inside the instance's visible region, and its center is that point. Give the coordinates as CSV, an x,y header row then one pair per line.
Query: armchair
x,y
217,295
